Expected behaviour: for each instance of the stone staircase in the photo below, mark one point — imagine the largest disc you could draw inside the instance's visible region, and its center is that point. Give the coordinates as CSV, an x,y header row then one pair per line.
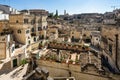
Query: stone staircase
x,y
6,68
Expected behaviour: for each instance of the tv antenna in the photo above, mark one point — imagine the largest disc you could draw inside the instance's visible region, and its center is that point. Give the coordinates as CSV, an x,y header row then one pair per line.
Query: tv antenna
x,y
114,7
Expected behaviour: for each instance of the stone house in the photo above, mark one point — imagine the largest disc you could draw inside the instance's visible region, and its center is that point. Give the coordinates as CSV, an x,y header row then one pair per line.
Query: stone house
x,y
7,46
110,36
40,21
21,25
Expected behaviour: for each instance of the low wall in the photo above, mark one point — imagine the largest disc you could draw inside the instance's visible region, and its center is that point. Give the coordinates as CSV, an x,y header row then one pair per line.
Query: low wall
x,y
35,45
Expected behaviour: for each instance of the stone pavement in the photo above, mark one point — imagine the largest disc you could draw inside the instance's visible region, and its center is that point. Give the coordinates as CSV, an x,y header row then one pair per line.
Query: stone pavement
x,y
16,74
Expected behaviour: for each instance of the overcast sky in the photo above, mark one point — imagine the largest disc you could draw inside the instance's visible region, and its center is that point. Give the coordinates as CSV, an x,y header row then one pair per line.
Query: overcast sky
x,y
71,6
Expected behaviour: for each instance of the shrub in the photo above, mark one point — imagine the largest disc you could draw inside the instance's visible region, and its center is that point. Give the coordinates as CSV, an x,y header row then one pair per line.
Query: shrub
x,y
71,61
23,62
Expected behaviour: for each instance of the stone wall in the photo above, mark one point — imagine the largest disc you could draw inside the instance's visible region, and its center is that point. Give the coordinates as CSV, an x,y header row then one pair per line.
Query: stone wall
x,y
108,34
35,45
2,50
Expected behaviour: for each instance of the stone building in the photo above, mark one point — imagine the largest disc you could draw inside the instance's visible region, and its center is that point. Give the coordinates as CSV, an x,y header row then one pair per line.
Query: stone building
x,y
7,46
21,26
109,18
95,38
75,36
40,21
110,36
9,54
6,40
29,27
4,24
52,33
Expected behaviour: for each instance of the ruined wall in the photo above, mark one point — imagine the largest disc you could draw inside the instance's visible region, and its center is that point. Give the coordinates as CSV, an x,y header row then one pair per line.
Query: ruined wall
x,y
61,70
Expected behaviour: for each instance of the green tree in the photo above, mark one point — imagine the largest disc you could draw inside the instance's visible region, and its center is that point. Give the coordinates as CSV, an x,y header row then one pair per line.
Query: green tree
x,y
23,62
56,15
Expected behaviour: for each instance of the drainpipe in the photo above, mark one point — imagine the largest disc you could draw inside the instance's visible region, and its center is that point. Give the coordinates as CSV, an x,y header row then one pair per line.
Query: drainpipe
x,y
116,36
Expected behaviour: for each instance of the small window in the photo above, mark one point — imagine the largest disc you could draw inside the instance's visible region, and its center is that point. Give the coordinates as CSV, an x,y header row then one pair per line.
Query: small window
x,y
13,49
27,31
32,29
29,42
19,31
17,21
34,39
28,37
26,21
44,27
32,21
39,28
96,38
42,36
84,35
87,40
72,39
3,39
